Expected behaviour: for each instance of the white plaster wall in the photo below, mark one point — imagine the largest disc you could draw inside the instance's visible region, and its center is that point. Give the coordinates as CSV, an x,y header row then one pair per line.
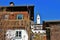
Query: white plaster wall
x,y
37,31
24,35
10,34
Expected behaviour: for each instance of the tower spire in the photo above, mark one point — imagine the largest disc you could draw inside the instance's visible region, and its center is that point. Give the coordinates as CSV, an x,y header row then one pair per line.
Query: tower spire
x,y
38,18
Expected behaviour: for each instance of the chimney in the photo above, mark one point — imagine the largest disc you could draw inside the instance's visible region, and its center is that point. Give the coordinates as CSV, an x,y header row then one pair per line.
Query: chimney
x,y
11,4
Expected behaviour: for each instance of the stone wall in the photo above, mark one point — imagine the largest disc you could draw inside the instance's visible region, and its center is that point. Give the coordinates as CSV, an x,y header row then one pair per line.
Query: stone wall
x,y
55,32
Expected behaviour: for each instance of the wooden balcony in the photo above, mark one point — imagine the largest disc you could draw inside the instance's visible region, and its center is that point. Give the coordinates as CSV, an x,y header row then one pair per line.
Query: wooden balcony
x,y
14,24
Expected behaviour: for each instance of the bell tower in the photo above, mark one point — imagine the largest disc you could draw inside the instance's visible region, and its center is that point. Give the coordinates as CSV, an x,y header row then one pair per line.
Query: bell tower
x,y
38,18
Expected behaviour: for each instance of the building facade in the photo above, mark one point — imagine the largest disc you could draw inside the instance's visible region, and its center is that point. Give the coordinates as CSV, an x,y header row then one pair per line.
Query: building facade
x,y
15,22
53,29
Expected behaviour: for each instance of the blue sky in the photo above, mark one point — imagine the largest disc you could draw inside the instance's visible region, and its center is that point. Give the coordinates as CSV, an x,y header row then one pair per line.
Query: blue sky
x,y
48,9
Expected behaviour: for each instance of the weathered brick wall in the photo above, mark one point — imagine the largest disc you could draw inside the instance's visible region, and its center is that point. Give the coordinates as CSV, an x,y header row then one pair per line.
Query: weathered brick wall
x,y
55,32
12,21
13,15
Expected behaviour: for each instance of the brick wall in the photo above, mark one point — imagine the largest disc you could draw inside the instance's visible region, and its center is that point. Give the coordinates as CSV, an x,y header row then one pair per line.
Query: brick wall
x,y
55,32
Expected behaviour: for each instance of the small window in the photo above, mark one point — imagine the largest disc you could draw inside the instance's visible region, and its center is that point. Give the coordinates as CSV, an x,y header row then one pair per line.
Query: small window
x,y
18,33
6,17
19,16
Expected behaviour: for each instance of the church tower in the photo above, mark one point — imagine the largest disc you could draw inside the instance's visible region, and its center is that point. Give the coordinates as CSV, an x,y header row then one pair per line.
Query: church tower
x,y
38,18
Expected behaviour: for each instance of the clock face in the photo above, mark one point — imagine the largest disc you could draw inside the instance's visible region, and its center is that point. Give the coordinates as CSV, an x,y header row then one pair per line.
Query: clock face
x,y
38,18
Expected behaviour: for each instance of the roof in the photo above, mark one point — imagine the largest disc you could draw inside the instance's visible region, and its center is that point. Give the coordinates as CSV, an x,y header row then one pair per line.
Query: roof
x,y
29,9
18,6
52,21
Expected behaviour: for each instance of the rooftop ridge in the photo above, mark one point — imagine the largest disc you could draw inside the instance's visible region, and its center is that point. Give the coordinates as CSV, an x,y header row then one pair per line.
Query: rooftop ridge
x,y
52,21
17,6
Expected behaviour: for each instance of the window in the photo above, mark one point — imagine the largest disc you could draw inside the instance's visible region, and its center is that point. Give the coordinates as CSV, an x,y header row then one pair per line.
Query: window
x,y
19,16
18,33
6,17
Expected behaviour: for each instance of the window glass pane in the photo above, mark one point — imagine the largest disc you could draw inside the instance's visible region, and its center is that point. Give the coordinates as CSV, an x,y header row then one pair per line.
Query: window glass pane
x,y
19,16
19,33
16,33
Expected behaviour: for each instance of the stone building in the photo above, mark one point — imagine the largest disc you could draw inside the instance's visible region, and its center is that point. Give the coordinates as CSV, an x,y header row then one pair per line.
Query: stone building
x,y
15,22
53,29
